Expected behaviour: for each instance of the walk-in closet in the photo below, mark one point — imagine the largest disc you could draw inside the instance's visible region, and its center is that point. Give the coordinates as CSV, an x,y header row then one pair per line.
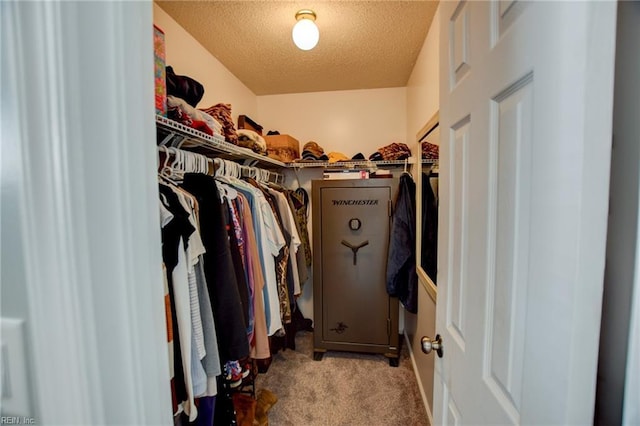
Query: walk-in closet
x,y
419,212
332,213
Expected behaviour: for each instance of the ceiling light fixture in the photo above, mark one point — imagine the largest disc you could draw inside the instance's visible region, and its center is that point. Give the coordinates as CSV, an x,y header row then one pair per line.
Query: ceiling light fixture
x,y
305,32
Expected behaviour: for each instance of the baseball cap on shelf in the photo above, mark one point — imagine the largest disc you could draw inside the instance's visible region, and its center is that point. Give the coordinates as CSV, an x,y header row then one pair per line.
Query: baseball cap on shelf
x,y
334,157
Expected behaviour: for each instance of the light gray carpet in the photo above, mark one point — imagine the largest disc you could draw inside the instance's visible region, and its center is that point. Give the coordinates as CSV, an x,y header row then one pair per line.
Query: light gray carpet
x,y
343,389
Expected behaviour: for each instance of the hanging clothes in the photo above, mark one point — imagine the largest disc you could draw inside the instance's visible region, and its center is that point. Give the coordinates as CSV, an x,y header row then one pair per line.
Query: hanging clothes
x,y
230,257
283,256
218,268
240,262
429,237
270,241
299,201
204,358
232,224
402,281
289,224
260,338
175,235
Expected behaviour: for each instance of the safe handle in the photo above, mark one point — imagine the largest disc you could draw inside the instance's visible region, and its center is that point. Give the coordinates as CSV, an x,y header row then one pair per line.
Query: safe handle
x,y
355,249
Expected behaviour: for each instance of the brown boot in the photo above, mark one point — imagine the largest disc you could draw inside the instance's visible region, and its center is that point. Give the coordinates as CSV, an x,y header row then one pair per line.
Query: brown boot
x,y
245,407
266,400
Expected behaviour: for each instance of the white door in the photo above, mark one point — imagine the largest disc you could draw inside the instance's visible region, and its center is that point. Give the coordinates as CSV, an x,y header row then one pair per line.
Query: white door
x,y
526,100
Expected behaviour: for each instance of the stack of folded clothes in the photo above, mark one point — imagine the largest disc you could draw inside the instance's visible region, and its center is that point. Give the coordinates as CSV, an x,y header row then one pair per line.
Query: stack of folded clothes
x,y
222,113
430,151
311,151
394,151
179,110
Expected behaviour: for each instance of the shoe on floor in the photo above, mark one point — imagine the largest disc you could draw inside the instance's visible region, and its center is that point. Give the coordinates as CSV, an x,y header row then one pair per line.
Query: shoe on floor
x,y
266,400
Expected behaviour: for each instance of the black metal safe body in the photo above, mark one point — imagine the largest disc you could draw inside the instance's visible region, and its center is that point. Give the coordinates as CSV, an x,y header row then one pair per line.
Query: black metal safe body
x,y
351,227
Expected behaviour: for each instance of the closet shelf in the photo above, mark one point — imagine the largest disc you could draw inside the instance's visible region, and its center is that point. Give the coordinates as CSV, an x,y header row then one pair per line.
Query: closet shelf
x,y
363,164
173,134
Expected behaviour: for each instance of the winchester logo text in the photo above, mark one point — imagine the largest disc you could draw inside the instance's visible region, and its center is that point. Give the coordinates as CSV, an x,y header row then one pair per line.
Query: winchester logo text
x,y
355,202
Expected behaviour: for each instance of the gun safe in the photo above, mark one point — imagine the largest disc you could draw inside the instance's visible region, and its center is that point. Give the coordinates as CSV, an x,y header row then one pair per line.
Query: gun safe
x,y
351,226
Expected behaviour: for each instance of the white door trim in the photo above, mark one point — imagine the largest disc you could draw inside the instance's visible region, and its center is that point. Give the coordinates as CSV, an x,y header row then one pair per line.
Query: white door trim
x,y
594,207
83,93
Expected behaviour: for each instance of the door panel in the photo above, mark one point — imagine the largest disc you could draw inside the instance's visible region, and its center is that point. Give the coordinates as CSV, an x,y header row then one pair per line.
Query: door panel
x,y
503,14
507,242
459,30
457,306
523,221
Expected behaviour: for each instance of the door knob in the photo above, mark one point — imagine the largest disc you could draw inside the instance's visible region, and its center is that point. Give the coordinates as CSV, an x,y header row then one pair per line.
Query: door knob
x,y
429,344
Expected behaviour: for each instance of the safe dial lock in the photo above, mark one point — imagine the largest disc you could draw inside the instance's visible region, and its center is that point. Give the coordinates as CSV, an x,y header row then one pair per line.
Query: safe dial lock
x,y
354,224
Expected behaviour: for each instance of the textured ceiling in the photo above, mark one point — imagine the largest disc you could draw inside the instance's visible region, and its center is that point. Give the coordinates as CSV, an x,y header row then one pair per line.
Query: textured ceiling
x,y
363,44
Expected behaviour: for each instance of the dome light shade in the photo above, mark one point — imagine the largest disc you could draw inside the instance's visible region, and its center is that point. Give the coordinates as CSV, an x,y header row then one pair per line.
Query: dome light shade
x,y
305,32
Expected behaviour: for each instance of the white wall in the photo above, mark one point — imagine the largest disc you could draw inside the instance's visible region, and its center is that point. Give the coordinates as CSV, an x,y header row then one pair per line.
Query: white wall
x,y
189,57
349,121
423,93
422,103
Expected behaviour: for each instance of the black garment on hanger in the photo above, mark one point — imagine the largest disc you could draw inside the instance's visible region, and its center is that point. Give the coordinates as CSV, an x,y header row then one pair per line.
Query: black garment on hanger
x,y
218,269
402,281
429,260
178,227
238,267
300,201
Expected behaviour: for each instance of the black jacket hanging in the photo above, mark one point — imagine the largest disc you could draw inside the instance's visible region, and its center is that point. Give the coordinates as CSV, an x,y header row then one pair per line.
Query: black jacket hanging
x,y
402,281
429,237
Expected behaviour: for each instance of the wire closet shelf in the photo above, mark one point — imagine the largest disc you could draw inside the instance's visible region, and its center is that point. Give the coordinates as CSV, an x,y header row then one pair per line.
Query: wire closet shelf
x,y
174,134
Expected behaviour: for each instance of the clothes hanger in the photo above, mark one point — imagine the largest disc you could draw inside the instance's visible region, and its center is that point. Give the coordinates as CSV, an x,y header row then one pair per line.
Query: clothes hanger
x,y
405,171
165,165
218,166
295,172
205,165
224,177
181,164
166,172
196,163
236,170
233,175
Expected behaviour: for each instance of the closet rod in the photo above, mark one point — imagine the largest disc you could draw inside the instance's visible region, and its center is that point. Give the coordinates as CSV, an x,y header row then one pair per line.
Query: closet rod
x,y
174,159
231,168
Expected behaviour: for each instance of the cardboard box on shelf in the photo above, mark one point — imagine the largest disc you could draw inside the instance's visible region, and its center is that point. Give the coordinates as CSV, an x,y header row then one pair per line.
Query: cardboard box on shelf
x,y
245,122
282,147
